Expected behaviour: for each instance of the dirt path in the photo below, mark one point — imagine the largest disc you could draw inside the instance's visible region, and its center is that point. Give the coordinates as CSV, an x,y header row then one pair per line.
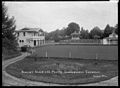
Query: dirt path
x,y
9,80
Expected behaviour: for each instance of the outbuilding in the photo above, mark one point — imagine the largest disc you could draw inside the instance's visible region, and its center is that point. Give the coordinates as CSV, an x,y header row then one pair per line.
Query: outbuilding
x,y
112,39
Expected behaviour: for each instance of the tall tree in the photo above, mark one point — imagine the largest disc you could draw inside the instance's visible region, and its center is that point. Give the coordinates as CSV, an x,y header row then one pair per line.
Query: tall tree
x,y
84,34
9,39
72,27
96,33
116,28
107,31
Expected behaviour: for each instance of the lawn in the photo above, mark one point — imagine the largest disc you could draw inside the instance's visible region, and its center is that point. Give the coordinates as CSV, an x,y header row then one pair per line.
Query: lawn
x,y
87,64
64,71
86,51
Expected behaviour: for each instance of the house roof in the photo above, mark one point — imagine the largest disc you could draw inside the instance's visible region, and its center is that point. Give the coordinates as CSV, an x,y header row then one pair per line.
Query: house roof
x,y
112,36
30,30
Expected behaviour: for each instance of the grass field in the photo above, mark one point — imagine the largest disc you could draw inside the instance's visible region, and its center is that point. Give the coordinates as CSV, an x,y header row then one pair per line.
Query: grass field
x,y
90,72
106,52
83,64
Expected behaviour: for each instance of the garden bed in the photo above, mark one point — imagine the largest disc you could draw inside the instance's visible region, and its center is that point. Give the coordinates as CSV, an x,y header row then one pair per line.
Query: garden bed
x,y
63,71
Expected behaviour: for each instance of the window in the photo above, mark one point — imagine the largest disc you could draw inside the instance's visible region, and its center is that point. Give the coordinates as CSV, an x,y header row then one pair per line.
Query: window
x,y
18,34
39,34
21,41
34,34
24,33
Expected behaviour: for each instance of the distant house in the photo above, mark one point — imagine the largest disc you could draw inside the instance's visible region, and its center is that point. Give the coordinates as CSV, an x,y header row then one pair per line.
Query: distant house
x,y
30,36
112,39
75,36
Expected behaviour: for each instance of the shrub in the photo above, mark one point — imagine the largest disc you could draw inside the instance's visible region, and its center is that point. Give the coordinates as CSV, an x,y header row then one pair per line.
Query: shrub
x,y
57,40
24,49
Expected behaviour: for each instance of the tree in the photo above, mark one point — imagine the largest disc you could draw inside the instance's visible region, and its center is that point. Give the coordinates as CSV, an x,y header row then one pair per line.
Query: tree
x,y
9,39
96,33
54,35
107,31
84,34
116,28
62,32
72,27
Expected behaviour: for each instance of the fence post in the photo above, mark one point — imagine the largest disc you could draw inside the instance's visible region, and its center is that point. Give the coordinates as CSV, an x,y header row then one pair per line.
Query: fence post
x,y
96,56
46,54
69,54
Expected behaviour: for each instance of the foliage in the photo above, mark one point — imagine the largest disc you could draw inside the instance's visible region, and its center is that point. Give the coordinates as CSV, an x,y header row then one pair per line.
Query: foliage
x,y
116,28
6,57
96,33
9,39
24,48
107,31
56,37
72,27
84,34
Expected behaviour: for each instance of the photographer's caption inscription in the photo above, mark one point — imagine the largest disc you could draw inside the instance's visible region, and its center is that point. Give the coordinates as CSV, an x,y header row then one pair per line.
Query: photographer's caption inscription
x,y
65,72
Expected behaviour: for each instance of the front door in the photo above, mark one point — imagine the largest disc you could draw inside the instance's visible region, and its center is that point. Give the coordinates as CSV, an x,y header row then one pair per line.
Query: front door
x,y
34,42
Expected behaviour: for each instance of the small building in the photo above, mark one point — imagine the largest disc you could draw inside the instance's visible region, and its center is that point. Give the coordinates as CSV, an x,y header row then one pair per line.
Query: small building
x,y
112,39
30,37
75,36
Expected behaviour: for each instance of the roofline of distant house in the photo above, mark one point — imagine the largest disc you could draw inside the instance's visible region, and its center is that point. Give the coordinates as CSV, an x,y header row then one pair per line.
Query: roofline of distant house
x,y
28,30
25,31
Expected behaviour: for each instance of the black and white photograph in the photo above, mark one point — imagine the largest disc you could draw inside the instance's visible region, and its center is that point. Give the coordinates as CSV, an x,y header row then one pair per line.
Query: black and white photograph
x,y
60,43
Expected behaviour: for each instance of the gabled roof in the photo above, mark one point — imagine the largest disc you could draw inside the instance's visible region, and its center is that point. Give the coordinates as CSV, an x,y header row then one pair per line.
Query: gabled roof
x,y
113,34
30,30
111,38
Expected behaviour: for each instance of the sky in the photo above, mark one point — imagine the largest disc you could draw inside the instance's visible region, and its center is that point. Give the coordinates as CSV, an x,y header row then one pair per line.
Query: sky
x,y
50,16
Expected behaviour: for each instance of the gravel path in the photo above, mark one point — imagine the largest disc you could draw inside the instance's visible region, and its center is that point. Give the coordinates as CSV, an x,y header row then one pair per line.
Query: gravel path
x,y
8,80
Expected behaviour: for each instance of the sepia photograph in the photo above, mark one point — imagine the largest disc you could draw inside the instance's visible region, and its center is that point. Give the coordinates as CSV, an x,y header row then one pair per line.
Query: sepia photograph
x,y
60,43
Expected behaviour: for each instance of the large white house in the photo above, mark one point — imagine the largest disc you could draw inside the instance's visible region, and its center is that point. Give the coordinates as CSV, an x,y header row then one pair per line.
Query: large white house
x,y
31,37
